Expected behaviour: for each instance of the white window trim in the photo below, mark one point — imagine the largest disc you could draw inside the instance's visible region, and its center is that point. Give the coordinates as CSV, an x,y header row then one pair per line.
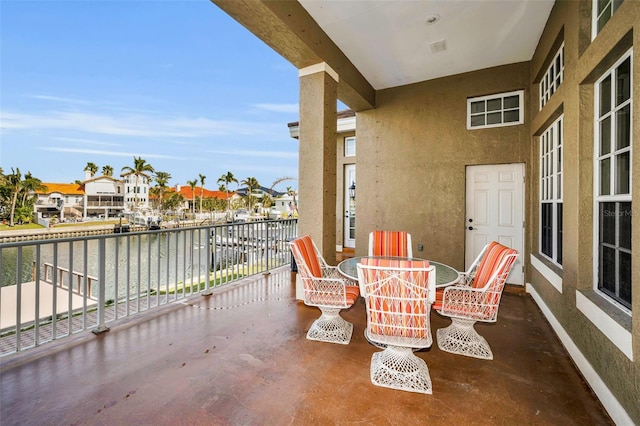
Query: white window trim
x,y
620,337
594,17
557,179
546,94
552,278
519,93
348,138
596,172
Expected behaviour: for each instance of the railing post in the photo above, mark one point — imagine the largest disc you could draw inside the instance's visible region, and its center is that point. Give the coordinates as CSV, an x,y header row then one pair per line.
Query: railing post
x,y
101,328
266,248
207,270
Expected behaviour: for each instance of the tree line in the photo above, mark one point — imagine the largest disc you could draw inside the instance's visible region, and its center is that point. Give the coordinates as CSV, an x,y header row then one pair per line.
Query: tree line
x,y
18,193
17,196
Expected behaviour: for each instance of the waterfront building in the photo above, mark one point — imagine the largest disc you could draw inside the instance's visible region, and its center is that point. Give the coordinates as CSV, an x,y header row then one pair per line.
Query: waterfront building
x,y
191,197
96,196
63,200
136,190
103,196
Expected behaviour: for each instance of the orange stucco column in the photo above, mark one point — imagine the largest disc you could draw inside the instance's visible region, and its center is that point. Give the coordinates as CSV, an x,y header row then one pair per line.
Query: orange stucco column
x,y
317,168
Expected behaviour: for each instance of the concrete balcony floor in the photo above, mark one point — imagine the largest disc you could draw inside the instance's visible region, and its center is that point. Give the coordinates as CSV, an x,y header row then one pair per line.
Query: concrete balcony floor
x,y
240,357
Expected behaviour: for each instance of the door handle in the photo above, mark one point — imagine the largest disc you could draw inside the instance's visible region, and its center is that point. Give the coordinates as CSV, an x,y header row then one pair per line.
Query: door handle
x,y
471,228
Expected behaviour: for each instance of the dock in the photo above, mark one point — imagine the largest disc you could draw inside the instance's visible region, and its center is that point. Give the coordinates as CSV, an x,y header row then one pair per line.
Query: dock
x,y
8,302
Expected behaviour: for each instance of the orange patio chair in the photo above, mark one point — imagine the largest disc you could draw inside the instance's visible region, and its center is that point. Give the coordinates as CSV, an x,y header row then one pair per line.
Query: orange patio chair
x,y
398,296
390,243
476,297
325,289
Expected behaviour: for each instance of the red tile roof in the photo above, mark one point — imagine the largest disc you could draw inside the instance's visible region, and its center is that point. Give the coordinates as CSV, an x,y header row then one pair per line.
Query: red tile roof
x,y
188,194
63,188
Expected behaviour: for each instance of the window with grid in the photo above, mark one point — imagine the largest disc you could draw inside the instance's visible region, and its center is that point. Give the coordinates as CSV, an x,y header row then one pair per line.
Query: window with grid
x,y
603,10
553,77
551,192
505,109
613,110
350,146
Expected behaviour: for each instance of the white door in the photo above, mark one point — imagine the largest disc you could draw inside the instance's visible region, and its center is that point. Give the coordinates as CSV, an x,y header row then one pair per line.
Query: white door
x,y
495,212
349,207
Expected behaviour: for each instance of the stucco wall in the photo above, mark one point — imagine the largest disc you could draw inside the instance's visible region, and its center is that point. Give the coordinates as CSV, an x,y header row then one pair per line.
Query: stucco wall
x,y
585,62
412,153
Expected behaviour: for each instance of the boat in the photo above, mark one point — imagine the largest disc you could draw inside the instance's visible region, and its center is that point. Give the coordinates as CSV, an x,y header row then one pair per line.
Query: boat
x,y
145,218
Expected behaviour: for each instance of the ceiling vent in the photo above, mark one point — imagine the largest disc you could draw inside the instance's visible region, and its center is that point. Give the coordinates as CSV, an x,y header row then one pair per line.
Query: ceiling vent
x,y
438,46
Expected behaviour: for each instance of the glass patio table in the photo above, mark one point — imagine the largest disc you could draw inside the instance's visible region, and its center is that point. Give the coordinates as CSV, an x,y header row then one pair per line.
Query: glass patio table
x,y
445,274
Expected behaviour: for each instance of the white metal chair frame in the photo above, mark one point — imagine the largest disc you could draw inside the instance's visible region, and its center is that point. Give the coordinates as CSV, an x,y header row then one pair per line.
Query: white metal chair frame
x,y
466,305
389,323
329,294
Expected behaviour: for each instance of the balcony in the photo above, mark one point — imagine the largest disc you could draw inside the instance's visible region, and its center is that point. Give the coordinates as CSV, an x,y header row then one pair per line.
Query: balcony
x,y
240,356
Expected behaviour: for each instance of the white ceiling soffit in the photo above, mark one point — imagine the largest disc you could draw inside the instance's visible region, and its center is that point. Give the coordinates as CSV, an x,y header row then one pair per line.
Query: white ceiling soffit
x,y
392,44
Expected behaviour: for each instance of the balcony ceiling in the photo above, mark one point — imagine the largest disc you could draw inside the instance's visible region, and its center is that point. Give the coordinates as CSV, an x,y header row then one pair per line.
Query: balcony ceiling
x,y
392,44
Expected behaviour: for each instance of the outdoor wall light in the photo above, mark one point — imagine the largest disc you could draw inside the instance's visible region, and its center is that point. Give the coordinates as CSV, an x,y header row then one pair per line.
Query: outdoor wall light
x,y
352,191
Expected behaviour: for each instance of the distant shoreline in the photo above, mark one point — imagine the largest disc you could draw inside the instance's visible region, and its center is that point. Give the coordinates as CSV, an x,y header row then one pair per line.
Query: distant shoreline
x,y
15,235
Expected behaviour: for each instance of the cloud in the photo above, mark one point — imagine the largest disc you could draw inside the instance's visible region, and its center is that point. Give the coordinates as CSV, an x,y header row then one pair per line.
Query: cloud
x,y
61,99
256,153
253,169
108,153
86,141
151,126
278,107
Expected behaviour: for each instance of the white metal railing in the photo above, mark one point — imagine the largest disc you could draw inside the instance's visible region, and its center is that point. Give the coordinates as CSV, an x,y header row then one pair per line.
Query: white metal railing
x,y
73,281
53,288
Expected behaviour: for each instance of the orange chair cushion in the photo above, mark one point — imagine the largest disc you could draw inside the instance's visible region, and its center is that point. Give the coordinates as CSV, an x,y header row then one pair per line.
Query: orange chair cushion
x,y
490,261
353,292
437,305
398,311
308,252
390,243
488,265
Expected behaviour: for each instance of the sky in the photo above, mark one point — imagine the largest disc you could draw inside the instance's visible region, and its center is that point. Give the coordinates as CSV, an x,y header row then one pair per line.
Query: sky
x,y
176,82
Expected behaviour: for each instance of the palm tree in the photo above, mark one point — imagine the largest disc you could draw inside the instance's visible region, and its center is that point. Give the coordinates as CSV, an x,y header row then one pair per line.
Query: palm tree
x,y
226,179
267,201
202,178
107,170
14,183
140,166
30,184
292,193
91,168
173,201
250,183
192,184
162,179
4,193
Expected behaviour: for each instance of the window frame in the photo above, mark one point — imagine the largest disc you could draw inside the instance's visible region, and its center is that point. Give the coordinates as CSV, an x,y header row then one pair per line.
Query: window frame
x,y
549,85
615,4
502,110
347,152
551,187
598,158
